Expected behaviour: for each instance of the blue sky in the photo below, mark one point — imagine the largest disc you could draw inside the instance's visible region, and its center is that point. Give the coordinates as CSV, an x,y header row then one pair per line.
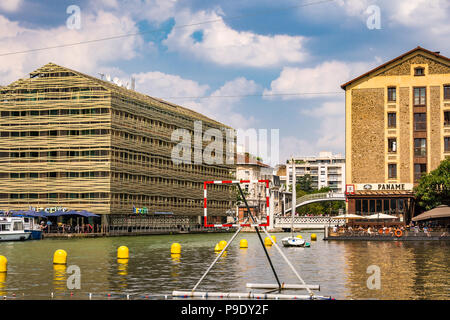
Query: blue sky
x,y
270,56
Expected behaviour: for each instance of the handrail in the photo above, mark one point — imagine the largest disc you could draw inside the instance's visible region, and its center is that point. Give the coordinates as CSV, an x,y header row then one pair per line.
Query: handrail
x,y
318,196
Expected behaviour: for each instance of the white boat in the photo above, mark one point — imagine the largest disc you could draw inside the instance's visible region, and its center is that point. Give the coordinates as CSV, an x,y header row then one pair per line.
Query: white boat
x,y
293,242
12,229
31,224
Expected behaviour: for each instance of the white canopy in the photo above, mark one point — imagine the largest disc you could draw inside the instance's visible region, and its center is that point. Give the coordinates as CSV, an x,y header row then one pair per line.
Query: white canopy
x,y
380,216
348,216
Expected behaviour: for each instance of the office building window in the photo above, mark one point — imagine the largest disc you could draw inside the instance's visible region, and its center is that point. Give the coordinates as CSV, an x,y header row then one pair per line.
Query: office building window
x,y
392,144
392,120
392,97
420,147
419,170
392,171
419,96
420,121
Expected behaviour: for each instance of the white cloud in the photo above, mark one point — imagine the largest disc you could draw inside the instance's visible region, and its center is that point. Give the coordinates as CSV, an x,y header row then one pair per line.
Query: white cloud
x,y
159,84
10,5
151,10
220,105
225,46
325,77
84,57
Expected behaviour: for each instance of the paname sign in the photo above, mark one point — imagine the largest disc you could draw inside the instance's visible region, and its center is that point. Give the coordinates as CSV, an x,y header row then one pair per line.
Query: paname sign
x,y
384,186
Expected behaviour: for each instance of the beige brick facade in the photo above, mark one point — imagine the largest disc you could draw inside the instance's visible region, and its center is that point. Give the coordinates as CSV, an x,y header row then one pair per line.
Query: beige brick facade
x,y
395,130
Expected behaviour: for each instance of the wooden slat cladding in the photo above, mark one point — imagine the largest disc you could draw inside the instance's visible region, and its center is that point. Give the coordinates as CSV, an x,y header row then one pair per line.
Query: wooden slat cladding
x,y
71,140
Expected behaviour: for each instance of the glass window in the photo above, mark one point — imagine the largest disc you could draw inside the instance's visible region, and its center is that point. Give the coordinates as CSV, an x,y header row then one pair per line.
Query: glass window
x,y
392,144
18,225
372,206
419,71
419,170
392,120
420,121
392,94
419,96
378,206
447,91
420,147
386,205
392,170
447,144
365,206
446,118
358,206
401,205
393,205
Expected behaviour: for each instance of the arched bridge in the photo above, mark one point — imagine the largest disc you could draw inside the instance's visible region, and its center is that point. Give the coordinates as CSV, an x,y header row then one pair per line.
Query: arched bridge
x,y
310,222
317,197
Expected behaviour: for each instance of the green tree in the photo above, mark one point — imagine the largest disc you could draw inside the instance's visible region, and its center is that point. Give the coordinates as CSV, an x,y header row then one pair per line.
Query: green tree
x,y
434,188
305,183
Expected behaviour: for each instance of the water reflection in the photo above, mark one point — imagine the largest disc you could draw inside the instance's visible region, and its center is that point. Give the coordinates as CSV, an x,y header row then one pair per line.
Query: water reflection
x,y
59,278
2,283
122,271
408,270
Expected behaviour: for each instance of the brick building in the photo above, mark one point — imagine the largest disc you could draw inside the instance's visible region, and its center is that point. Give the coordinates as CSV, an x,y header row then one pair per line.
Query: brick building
x,y
397,129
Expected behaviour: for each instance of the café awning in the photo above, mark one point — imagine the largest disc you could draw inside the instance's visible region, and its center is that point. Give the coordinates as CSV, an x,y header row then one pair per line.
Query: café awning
x,y
442,211
381,216
348,216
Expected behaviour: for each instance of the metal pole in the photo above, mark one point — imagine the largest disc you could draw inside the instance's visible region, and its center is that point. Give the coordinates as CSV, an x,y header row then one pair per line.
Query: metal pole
x,y
260,239
294,196
217,258
288,262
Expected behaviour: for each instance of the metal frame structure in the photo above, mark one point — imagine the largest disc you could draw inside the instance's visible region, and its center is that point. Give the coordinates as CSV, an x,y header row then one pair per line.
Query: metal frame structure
x,y
273,287
258,223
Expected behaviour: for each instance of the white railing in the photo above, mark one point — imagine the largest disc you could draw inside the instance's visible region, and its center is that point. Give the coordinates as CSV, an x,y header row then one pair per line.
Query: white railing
x,y
307,222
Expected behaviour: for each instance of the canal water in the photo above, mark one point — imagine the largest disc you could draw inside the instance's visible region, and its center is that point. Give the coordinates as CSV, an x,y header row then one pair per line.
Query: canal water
x,y
408,270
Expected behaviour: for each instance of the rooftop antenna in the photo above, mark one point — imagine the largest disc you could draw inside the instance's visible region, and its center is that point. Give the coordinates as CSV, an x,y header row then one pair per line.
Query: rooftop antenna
x,y
133,83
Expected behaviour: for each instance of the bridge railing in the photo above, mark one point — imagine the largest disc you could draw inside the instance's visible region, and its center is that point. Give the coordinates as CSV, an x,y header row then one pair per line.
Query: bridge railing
x,y
318,196
325,221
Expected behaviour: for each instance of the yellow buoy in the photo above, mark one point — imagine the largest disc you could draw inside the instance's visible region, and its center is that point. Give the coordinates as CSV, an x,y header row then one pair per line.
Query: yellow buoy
x,y
60,257
123,252
268,241
243,244
313,237
175,248
3,264
274,239
222,244
217,248
299,236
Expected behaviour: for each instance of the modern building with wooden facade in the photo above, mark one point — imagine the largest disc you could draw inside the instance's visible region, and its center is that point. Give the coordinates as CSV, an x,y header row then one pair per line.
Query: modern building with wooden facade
x,y
75,141
397,129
